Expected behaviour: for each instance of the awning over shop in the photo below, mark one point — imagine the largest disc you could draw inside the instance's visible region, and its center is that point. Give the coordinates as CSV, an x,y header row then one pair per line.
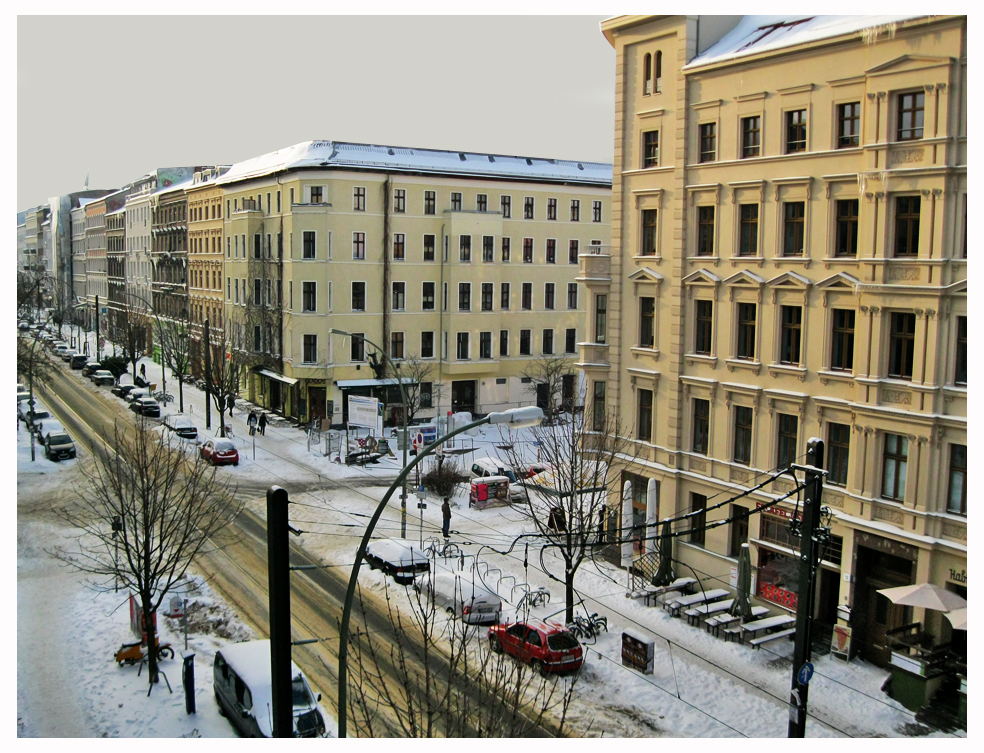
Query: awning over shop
x,y
348,383
274,375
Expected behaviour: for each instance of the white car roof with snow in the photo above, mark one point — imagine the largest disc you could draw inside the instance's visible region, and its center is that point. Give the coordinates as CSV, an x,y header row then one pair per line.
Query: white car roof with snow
x,y
179,420
224,444
251,661
395,551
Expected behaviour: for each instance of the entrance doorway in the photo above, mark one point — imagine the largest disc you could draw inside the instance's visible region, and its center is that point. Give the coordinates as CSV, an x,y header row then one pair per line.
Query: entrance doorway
x,y
273,386
874,615
316,402
463,396
543,398
568,382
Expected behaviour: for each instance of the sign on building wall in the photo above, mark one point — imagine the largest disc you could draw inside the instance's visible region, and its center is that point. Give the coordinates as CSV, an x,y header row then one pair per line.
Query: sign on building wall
x,y
365,412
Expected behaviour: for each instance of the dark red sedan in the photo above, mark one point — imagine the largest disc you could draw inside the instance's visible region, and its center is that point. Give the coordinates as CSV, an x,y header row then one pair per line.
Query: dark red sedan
x,y
545,646
220,452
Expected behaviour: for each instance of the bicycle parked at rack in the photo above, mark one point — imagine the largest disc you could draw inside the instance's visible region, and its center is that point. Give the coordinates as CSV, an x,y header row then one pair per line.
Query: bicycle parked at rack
x,y
588,628
163,397
531,599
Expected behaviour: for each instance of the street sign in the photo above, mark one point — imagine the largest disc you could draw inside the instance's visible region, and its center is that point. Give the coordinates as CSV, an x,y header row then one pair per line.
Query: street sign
x,y
805,673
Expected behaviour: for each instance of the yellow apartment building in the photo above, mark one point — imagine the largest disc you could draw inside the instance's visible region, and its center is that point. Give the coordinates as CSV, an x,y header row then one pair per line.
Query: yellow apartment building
x,y
205,260
464,262
789,260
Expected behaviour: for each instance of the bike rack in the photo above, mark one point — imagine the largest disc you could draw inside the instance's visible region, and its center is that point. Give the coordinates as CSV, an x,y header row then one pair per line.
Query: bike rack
x,y
505,577
525,586
478,562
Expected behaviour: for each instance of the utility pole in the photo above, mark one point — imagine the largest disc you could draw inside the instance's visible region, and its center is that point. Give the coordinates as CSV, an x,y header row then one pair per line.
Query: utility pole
x,y
278,565
810,539
207,347
99,351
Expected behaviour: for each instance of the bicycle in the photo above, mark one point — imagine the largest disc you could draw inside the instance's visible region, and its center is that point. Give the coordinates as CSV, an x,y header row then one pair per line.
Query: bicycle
x,y
531,599
588,628
163,397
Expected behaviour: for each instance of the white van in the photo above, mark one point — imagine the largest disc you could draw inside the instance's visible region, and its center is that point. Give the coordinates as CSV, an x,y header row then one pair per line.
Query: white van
x,y
486,467
244,691
460,597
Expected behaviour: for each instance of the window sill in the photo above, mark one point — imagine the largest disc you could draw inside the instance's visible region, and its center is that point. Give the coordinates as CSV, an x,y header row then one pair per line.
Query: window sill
x,y
715,260
837,376
799,259
638,350
782,368
757,260
739,363
691,358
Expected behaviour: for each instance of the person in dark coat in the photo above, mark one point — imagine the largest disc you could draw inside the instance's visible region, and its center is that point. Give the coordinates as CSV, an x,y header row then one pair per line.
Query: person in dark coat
x,y
446,511
143,370
263,424
252,422
230,401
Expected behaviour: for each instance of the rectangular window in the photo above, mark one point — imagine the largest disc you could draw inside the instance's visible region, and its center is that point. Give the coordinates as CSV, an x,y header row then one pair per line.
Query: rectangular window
x,y
705,231
503,343
795,131
551,251
524,342
901,345
703,321
549,289
527,250
743,435
751,134
359,199
551,209
358,350
527,296
257,338
309,297
426,344
644,420
911,107
399,296
794,216
481,202
698,504
572,295
310,348
464,296
907,226
235,247
528,208
748,238
257,292
358,296
647,322
488,248
790,336
315,195
487,296
838,453
848,124
464,248
570,345
396,345
957,498
400,201
575,210
702,415
650,149
257,246
842,340
309,247
505,203
895,460
430,245
484,344
739,529
506,249
462,347
358,245
649,217
572,252
601,318
548,344
847,228
746,331
960,359
228,247
428,297
788,427
504,296
430,202
399,247
596,211
598,407
708,142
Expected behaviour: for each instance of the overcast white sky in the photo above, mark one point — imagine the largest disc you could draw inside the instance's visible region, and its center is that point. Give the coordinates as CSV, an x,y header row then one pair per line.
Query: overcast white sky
x,y
117,96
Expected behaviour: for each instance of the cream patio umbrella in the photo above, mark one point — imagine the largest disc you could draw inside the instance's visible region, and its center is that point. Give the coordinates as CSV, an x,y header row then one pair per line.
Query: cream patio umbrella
x,y
924,595
958,618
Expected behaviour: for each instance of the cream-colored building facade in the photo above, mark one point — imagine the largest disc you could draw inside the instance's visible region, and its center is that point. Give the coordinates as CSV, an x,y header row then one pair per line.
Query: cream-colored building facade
x,y
205,262
789,260
467,262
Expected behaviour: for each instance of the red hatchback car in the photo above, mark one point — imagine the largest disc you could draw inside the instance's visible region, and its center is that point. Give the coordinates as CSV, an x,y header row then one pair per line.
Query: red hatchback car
x,y
546,646
220,452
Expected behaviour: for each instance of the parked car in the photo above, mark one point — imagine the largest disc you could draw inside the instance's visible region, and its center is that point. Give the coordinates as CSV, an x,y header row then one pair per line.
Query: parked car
x,y
181,425
59,348
400,560
103,377
241,681
136,393
58,445
121,390
461,597
146,406
23,326
220,452
68,353
22,396
488,467
36,419
90,368
545,646
78,361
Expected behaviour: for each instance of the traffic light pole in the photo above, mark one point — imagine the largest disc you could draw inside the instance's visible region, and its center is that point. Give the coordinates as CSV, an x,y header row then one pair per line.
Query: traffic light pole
x,y
278,556
809,558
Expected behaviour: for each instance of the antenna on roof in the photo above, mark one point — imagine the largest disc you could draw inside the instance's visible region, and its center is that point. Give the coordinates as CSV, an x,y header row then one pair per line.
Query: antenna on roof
x,y
390,152
461,156
529,161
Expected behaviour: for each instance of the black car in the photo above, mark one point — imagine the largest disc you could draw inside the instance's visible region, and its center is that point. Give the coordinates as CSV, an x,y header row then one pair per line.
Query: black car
x,y
91,368
400,560
121,390
146,406
58,446
181,425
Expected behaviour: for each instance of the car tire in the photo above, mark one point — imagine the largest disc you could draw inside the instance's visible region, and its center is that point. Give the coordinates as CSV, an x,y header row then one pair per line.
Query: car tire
x,y
539,667
495,645
450,612
236,463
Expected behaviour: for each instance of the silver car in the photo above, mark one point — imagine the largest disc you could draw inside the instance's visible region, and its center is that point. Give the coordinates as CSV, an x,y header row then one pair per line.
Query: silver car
x,y
461,597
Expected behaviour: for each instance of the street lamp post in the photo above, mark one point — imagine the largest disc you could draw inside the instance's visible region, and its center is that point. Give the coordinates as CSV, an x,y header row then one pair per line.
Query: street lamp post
x,y
515,418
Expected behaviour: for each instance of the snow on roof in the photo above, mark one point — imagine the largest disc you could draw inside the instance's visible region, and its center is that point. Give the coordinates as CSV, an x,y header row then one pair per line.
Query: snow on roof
x,y
83,201
755,34
371,156
174,186
251,661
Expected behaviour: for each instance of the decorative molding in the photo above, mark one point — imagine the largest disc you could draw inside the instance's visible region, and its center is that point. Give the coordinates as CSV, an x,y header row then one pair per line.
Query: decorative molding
x,y
739,476
906,156
698,464
888,513
903,273
834,500
954,530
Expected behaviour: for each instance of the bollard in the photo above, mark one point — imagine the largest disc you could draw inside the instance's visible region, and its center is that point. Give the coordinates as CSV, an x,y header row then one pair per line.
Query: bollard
x,y
188,680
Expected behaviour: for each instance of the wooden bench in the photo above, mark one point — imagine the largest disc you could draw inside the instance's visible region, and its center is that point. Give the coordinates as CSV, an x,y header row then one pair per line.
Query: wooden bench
x,y
718,621
702,597
675,588
732,633
695,614
772,636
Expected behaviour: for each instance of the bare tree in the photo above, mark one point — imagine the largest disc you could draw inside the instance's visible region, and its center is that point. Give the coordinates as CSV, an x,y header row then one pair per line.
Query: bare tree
x,y
129,329
170,505
226,367
568,502
174,338
414,372
429,675
546,374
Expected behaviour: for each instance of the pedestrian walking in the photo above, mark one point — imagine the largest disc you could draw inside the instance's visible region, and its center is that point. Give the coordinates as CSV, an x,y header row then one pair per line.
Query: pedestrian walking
x,y
252,422
143,371
230,401
446,511
262,424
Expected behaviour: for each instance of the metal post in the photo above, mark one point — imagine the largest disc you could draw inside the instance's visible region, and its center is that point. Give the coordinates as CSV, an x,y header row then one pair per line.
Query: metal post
x,y
809,551
278,558
99,351
206,345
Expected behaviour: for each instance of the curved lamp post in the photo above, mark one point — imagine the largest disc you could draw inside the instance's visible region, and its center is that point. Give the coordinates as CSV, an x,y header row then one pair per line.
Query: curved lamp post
x,y
516,418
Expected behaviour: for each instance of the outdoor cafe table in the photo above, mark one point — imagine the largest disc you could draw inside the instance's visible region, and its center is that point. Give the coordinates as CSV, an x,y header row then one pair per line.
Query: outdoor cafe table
x,y
718,621
700,597
767,624
704,610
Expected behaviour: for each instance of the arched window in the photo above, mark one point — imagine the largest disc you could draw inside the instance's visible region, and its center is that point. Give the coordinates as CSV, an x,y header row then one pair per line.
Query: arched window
x,y
659,72
647,86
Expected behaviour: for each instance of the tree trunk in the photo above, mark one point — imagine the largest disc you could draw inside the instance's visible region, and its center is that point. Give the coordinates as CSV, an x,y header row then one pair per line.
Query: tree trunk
x,y
220,404
152,673
569,596
181,395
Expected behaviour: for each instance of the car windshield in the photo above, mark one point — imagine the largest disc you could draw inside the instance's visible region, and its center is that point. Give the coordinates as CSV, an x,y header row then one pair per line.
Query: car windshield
x,y
224,445
561,641
509,475
300,692
59,439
